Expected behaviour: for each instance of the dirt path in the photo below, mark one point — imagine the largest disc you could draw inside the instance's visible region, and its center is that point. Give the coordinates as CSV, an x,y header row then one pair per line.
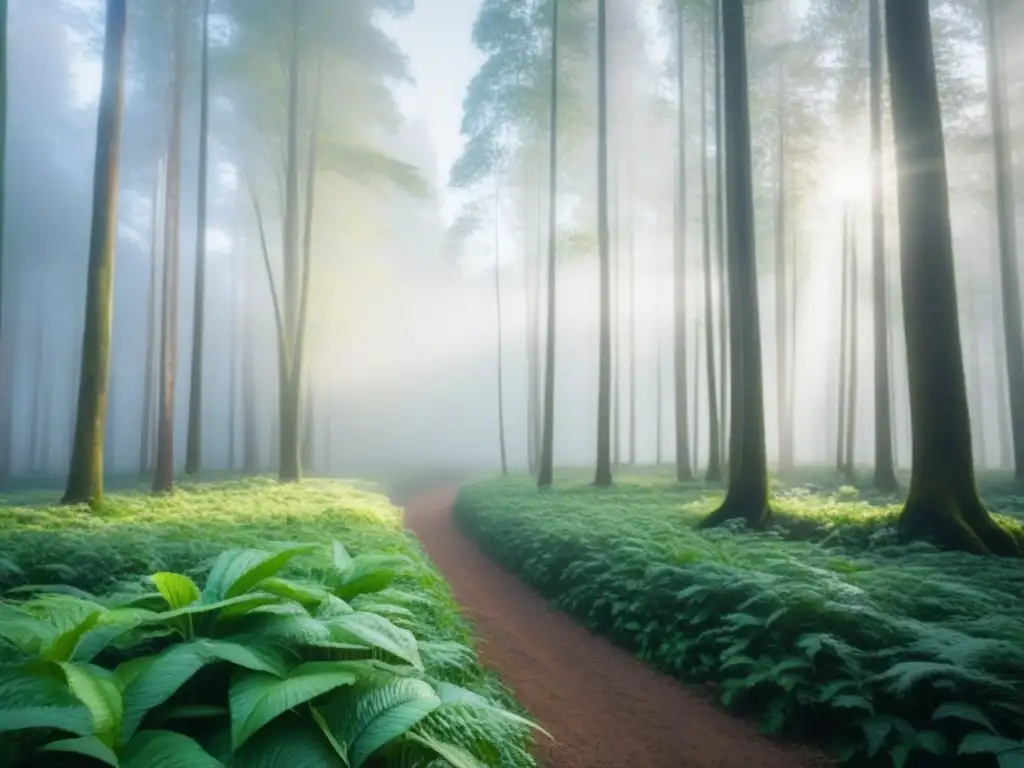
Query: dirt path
x,y
604,708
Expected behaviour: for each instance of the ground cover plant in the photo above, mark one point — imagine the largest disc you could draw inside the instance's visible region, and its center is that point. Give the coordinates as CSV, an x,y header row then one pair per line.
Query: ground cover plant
x,y
238,648
825,626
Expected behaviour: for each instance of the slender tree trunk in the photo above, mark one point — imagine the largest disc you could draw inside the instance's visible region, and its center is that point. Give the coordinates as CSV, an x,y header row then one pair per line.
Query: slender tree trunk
x,y
497,307
885,469
684,470
1006,217
233,352
747,494
721,238
1002,404
943,498
781,334
603,474
695,421
975,393
851,407
146,447
35,395
844,344
5,367
632,323
85,477
616,313
163,478
714,471
110,449
250,437
791,379
545,474
194,443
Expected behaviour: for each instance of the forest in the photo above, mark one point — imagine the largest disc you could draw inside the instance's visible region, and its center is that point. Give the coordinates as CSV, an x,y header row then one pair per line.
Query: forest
x,y
560,383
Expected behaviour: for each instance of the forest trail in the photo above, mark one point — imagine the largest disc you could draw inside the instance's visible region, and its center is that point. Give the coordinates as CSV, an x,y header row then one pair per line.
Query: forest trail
x,y
604,708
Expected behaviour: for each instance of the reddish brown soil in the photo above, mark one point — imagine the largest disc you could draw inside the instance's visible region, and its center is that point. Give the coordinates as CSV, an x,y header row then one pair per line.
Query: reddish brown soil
x,y
604,708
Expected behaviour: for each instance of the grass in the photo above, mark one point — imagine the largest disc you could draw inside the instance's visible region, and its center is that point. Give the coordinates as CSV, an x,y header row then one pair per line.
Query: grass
x,y
825,626
136,534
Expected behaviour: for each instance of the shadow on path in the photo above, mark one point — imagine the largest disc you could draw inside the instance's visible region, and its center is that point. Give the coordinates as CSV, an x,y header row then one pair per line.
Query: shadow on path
x,y
604,708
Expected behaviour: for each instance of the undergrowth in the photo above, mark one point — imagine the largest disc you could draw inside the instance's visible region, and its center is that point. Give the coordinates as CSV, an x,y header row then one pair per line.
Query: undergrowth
x,y
825,627
99,558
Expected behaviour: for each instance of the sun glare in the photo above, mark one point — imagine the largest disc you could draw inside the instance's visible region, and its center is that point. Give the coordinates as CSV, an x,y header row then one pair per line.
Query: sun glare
x,y
848,182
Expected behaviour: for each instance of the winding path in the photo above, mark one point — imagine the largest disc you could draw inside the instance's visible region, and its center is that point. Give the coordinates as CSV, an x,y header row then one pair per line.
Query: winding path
x,y
604,708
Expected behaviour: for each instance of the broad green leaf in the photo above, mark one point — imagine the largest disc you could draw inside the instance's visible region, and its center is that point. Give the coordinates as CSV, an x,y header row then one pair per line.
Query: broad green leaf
x,y
257,698
41,702
96,688
87,746
232,606
386,713
307,595
237,571
340,557
111,625
52,589
376,632
150,685
455,756
1011,758
458,696
368,573
62,648
177,589
960,710
291,741
26,633
165,749
980,743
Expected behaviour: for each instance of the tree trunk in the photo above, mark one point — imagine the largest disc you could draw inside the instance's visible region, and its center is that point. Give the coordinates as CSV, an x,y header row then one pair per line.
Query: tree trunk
x,y
632,319
497,308
723,287
844,346
545,474
695,421
250,438
747,494
781,334
1002,404
35,396
5,367
603,473
714,470
849,471
684,470
194,444
615,434
85,477
163,478
146,446
885,469
975,381
943,498
1006,217
233,351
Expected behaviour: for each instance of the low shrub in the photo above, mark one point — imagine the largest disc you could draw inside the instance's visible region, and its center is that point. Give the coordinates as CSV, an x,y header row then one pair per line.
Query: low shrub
x,y
254,670
896,655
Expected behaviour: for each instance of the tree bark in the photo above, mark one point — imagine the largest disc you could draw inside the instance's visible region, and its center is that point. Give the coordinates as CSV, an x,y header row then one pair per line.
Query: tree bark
x,y
146,430
844,345
781,334
1006,218
721,236
747,494
194,441
885,468
603,473
684,469
163,477
849,471
497,307
545,474
85,476
943,499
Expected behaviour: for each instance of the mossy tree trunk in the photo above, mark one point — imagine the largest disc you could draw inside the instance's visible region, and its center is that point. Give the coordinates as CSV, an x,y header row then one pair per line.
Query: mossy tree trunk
x,y
85,477
163,476
545,472
747,494
194,440
943,500
684,468
885,468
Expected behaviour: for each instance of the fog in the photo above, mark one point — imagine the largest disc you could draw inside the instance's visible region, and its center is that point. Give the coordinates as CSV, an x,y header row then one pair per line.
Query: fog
x,y
402,353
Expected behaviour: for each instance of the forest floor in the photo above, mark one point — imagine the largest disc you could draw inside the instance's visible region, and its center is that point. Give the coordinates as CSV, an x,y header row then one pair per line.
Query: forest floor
x,y
602,706
825,627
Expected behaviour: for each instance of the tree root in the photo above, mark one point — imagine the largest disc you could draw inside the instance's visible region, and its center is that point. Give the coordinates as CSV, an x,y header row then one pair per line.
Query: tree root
x,y
756,513
962,527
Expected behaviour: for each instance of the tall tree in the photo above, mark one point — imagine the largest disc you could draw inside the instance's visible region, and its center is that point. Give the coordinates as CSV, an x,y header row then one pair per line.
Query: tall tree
x,y
851,394
885,468
684,470
85,477
721,236
1006,220
163,477
714,470
5,410
194,441
943,498
781,334
603,475
844,343
747,494
146,447
545,473
497,309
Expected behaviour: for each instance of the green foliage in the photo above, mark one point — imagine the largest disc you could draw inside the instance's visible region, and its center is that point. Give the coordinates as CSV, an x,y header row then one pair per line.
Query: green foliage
x,y
263,654
824,626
